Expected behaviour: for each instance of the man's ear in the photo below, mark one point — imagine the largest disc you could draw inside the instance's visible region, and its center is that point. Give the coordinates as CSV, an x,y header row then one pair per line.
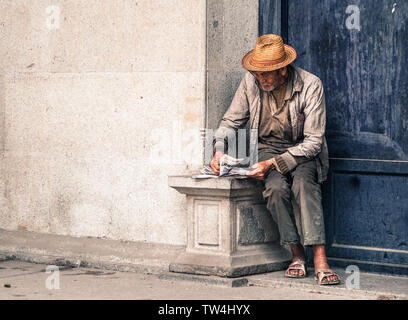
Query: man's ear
x,y
283,71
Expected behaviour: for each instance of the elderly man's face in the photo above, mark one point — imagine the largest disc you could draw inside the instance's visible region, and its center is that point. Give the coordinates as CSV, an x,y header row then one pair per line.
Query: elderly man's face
x,y
271,80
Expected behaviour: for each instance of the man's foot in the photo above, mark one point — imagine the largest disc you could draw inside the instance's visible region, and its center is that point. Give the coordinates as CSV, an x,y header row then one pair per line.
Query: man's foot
x,y
323,274
297,268
326,276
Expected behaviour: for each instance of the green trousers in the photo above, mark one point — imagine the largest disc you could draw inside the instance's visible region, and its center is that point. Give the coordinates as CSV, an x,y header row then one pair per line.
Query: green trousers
x,y
300,188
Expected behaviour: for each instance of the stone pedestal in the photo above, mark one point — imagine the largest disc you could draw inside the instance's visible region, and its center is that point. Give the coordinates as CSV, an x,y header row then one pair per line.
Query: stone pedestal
x,y
230,232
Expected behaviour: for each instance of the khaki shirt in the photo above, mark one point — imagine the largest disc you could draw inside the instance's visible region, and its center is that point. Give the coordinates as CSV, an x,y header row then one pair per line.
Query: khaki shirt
x,y
307,109
274,118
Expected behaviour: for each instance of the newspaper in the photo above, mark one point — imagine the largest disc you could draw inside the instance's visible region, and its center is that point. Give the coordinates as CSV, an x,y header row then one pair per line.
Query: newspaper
x,y
229,167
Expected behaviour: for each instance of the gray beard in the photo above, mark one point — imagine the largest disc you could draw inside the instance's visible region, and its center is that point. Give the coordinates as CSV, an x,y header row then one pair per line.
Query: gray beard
x,y
270,90
273,88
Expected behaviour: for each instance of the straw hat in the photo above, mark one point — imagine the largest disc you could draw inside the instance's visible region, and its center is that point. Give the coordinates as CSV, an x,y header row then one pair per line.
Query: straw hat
x,y
270,54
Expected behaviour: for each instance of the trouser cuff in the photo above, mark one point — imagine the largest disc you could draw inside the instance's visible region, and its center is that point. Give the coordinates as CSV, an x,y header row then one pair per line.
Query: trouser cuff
x,y
286,242
314,242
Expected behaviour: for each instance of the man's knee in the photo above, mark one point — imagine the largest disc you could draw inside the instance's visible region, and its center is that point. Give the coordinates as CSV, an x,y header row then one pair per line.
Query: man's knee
x,y
305,178
278,190
304,186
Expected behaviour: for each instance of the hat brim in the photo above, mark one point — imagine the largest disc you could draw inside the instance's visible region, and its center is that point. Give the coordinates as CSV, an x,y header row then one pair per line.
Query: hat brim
x,y
290,57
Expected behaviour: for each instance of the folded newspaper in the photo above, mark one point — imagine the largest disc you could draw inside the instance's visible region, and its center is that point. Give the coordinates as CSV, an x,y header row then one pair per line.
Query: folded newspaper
x,y
229,167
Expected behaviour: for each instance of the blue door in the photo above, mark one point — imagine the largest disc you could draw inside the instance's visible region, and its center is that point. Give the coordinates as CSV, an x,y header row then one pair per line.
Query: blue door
x,y
359,51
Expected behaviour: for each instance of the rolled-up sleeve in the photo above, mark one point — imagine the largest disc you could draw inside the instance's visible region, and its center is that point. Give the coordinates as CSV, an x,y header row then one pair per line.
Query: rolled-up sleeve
x,y
313,131
234,118
315,123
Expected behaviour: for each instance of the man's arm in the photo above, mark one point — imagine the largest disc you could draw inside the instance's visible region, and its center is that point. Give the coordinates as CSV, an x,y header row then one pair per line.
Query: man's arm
x,y
234,118
313,131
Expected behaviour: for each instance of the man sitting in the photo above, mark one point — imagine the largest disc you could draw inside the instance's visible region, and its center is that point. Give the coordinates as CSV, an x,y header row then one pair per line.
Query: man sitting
x,y
286,105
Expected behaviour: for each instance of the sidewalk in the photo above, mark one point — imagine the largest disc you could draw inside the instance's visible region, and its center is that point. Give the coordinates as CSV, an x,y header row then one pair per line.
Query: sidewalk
x,y
104,269
23,280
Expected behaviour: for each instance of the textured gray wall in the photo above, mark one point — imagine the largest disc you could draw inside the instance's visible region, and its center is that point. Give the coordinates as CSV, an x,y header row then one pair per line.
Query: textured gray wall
x,y
232,29
81,104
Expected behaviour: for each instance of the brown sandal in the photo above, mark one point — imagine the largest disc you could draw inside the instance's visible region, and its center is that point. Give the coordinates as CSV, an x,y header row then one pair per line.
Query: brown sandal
x,y
296,265
321,274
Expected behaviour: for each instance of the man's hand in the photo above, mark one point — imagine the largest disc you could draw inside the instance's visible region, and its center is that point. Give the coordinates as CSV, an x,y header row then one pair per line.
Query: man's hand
x,y
262,169
215,163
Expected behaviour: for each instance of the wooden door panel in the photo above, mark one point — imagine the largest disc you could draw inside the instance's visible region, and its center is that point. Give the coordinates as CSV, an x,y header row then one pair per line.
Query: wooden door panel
x,y
364,72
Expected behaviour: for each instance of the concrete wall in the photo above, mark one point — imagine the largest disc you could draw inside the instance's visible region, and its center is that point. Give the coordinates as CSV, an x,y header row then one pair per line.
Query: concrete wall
x,y
232,29
87,98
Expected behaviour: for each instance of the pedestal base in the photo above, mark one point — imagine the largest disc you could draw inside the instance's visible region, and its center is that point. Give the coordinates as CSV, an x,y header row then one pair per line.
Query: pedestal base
x,y
274,258
230,232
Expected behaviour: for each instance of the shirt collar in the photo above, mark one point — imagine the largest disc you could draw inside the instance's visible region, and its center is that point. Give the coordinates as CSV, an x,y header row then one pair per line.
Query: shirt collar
x,y
295,83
